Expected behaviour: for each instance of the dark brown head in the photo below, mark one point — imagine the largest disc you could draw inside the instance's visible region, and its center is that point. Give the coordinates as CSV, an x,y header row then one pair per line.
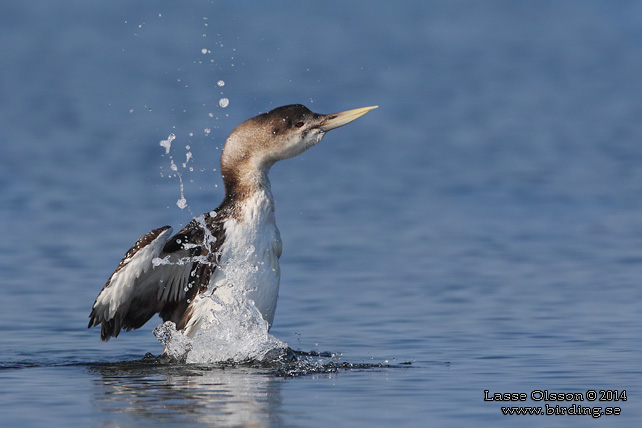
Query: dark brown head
x,y
256,144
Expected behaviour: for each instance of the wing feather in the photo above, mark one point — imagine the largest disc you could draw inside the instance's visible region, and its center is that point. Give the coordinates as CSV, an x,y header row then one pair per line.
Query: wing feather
x,y
157,276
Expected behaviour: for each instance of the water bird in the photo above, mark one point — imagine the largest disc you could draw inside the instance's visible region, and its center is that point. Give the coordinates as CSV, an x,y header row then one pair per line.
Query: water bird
x,y
183,277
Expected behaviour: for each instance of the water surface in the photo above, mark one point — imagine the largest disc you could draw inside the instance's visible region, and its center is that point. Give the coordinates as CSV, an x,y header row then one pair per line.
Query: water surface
x,y
483,224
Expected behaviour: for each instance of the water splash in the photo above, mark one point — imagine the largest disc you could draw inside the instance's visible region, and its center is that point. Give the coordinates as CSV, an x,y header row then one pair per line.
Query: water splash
x,y
188,157
167,145
230,328
182,202
235,333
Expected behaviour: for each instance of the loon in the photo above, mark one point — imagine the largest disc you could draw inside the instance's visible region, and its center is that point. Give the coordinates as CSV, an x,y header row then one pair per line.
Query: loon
x,y
180,277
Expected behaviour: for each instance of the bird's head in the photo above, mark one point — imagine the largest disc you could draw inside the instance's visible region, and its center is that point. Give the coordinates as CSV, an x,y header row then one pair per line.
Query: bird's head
x,y
259,142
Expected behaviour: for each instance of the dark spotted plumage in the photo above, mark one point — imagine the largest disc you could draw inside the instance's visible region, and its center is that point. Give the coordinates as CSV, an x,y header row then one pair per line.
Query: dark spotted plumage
x,y
197,244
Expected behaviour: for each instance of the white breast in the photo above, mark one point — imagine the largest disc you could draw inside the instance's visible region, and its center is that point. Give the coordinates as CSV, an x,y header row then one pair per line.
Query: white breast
x,y
249,263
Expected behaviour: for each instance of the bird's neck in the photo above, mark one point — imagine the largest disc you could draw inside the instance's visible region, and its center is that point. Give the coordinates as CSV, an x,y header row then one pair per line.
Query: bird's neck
x,y
245,169
244,182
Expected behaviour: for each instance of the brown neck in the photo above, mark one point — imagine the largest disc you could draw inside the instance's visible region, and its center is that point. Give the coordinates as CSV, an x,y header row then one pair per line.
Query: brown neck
x,y
243,180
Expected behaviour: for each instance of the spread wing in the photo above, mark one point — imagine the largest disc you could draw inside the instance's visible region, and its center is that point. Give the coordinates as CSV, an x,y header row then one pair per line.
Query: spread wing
x,y
159,274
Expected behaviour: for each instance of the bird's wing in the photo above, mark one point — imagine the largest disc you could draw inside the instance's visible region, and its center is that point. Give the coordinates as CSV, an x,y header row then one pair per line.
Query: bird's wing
x,y
158,274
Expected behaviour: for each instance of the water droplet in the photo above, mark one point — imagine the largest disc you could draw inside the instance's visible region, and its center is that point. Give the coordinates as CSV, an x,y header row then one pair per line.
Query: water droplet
x,y
223,102
220,83
167,144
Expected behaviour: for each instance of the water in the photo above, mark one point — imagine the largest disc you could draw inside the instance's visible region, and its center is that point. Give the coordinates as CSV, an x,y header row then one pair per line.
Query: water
x,y
483,224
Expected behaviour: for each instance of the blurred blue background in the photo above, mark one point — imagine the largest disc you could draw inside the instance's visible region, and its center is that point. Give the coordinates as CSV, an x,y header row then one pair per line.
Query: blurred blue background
x,y
483,223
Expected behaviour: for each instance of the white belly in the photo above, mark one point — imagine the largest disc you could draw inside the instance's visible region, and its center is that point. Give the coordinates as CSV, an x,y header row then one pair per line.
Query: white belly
x,y
250,263
248,267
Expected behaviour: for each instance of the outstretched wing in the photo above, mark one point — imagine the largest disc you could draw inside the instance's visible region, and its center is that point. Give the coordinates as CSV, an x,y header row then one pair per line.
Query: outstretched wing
x,y
158,274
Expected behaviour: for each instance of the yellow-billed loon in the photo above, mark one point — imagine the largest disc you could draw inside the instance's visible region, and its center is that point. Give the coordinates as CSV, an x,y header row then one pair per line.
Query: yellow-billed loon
x,y
178,276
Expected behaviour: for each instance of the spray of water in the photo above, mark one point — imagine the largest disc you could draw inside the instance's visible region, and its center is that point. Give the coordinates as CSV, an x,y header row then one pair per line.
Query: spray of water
x,y
233,329
167,145
234,333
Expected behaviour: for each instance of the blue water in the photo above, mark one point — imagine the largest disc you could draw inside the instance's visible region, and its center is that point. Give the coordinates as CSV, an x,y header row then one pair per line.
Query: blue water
x,y
484,224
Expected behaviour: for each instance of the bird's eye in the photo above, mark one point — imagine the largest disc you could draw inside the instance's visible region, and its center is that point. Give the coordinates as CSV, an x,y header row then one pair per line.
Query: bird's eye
x,y
299,124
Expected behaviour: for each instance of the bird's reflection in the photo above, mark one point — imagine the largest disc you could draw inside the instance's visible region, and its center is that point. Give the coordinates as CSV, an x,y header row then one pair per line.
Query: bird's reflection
x,y
201,396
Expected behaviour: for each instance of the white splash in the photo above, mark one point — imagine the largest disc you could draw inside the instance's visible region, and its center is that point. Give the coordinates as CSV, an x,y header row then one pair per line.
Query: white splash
x,y
182,202
233,329
235,332
188,156
167,144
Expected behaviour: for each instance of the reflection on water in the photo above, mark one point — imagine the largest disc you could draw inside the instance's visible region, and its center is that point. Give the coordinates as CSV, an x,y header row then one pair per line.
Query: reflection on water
x,y
212,396
224,394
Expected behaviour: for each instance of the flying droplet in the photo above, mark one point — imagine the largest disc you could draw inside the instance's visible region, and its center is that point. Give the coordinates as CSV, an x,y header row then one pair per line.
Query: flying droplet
x,y
167,144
